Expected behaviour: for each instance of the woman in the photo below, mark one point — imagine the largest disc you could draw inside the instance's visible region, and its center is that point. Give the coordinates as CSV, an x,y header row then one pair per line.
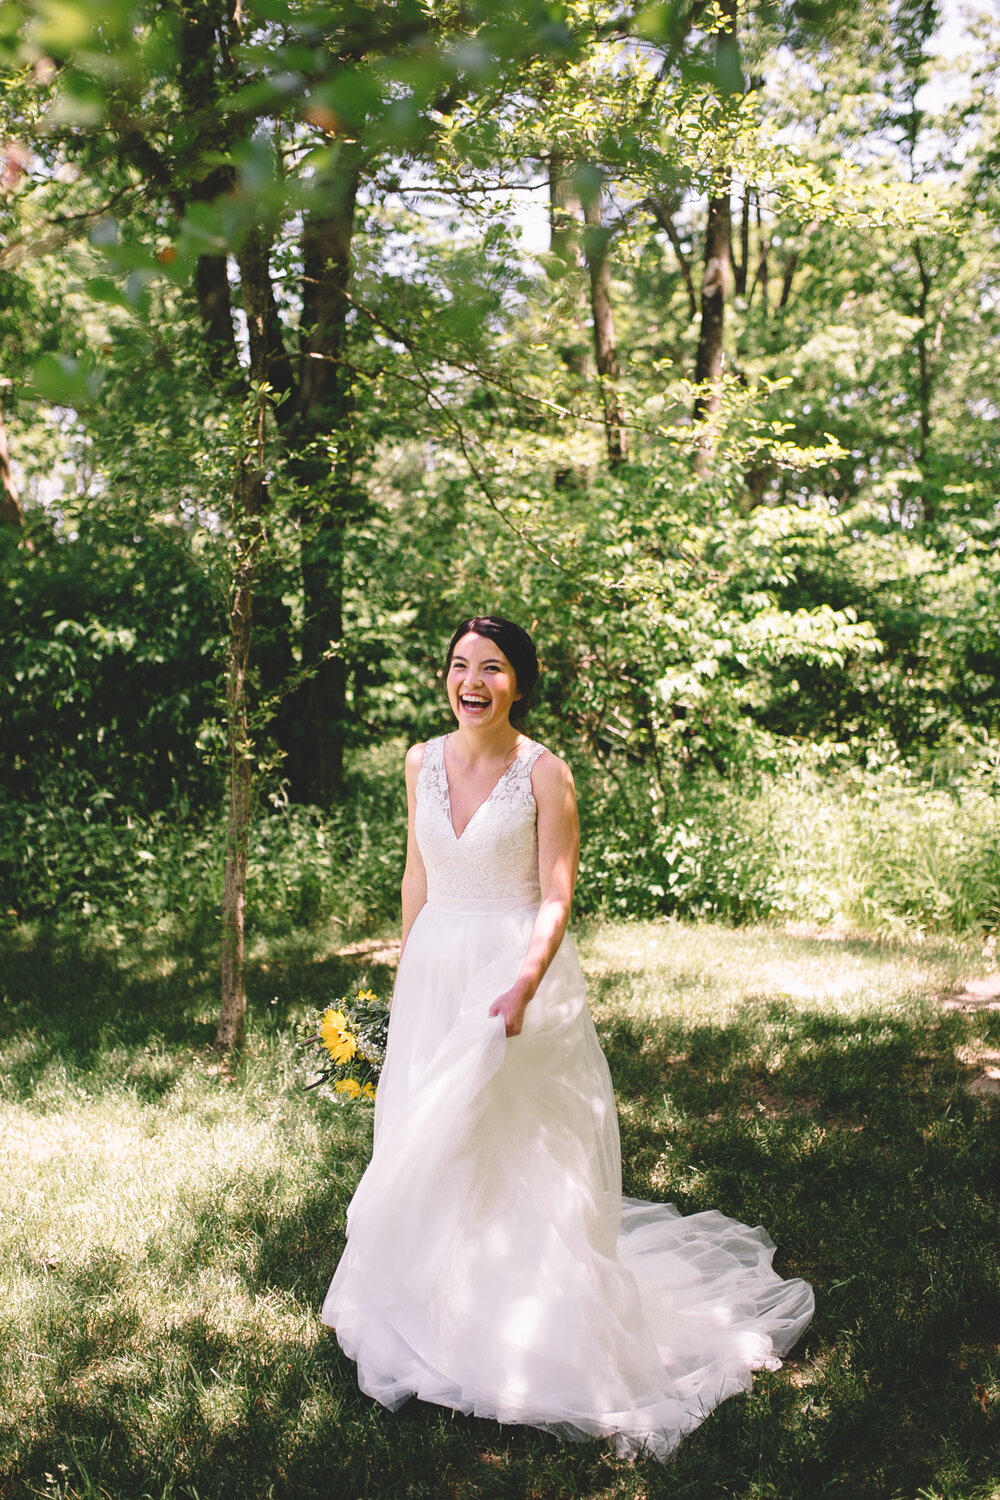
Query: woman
x,y
491,1264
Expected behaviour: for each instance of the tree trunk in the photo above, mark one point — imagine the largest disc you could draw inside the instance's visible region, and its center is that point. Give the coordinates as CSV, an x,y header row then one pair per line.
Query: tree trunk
x,y
211,280
924,372
564,242
716,276
268,356
323,449
605,348
714,286
203,45
760,279
664,217
205,35
248,506
11,513
740,271
791,265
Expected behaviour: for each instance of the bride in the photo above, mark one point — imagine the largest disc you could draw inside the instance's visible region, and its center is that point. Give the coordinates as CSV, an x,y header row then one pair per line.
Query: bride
x,y
491,1263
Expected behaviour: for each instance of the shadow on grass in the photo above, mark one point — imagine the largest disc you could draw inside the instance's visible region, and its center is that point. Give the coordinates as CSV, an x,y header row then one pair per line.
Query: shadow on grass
x,y
198,1410
65,1002
850,1139
195,1410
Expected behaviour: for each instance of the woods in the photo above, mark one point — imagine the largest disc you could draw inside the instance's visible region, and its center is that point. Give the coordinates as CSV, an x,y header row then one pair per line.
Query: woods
x,y
670,330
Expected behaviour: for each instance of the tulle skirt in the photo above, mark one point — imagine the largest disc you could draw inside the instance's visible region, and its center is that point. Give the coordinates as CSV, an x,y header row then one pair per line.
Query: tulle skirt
x,y
491,1263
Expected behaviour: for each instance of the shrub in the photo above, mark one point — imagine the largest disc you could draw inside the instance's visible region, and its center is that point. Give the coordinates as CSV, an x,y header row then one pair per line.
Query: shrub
x,y
879,850
876,848
58,861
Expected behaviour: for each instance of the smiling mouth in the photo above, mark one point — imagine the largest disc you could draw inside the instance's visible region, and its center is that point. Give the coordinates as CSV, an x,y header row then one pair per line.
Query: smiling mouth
x,y
473,702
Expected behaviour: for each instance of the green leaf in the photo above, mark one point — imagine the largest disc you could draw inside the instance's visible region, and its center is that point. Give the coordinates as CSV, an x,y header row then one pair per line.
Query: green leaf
x,y
351,97
587,182
66,381
728,68
102,289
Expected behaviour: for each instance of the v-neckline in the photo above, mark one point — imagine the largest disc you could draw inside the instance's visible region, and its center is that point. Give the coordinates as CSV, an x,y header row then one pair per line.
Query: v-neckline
x,y
458,837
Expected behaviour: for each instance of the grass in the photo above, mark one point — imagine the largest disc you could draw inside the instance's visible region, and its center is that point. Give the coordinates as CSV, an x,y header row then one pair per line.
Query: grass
x,y
169,1225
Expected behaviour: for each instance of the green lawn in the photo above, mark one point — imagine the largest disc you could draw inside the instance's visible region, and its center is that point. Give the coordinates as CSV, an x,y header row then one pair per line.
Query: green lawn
x,y
169,1226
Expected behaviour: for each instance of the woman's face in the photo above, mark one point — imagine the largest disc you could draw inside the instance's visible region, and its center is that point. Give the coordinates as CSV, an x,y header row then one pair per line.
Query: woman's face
x,y
481,682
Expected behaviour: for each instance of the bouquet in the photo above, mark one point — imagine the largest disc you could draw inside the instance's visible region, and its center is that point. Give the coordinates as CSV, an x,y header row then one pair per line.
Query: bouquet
x,y
351,1034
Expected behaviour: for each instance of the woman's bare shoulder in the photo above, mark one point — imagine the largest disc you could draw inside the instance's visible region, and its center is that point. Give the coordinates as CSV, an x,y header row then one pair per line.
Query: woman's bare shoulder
x,y
414,760
550,775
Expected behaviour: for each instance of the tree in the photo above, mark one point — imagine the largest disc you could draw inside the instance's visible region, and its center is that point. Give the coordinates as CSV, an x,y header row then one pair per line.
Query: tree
x,y
11,513
287,243
597,243
717,273
214,148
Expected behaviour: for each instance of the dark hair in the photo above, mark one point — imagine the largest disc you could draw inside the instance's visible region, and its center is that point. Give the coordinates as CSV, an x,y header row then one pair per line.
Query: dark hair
x,y
515,643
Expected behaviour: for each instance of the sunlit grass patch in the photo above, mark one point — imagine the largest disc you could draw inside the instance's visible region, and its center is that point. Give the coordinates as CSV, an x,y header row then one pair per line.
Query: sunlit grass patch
x,y
170,1224
721,967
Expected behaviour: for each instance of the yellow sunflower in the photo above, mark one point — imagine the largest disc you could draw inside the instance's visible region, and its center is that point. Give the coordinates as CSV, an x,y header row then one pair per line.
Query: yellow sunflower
x,y
348,1086
337,1040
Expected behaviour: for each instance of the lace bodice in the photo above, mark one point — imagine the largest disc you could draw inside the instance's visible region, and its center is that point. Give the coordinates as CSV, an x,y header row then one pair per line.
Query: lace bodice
x,y
496,856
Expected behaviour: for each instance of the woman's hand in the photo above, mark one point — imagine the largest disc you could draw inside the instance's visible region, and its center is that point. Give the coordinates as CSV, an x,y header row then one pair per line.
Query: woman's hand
x,y
511,1005
558,853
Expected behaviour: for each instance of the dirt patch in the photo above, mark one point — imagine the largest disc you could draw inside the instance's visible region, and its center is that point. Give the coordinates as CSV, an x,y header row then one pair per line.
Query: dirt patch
x,y
986,1086
978,994
377,950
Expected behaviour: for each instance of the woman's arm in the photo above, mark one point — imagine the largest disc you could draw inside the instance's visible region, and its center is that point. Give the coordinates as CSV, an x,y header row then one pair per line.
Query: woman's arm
x,y
414,887
558,859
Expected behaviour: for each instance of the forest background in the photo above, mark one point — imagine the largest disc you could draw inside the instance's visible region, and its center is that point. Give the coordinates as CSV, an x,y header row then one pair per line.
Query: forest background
x,y
669,330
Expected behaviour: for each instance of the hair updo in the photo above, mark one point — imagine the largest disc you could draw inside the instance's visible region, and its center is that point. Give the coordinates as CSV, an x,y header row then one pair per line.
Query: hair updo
x,y
518,647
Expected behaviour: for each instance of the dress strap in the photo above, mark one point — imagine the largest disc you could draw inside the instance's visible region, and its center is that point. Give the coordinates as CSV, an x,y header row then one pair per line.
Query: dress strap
x,y
432,779
530,755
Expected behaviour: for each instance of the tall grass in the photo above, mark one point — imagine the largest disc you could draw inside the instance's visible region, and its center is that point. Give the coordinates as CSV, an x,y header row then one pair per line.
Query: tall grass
x,y
106,866
875,853
171,1223
880,851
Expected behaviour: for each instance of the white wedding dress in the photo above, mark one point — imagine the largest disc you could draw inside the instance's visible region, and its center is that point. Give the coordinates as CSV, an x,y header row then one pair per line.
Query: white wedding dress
x,y
491,1264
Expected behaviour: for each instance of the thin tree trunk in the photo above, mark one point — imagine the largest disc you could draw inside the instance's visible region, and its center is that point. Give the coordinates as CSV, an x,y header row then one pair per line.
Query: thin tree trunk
x,y
211,280
715,280
248,506
740,271
204,40
564,242
664,217
11,513
323,448
205,35
791,265
714,287
605,348
924,373
756,481
564,214
761,278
